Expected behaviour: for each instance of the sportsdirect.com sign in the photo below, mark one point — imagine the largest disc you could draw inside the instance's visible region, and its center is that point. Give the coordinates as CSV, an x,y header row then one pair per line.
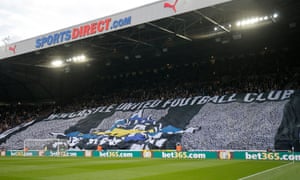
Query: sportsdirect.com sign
x,y
97,27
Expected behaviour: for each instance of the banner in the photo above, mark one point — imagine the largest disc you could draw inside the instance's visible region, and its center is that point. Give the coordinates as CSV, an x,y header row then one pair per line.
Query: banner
x,y
117,154
252,121
168,154
22,153
285,156
65,153
275,95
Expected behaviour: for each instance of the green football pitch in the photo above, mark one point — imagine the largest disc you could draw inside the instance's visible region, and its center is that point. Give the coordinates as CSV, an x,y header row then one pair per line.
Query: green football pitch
x,y
101,168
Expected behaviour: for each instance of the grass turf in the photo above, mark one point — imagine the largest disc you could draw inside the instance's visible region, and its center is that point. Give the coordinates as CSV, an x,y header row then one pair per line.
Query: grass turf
x,y
102,168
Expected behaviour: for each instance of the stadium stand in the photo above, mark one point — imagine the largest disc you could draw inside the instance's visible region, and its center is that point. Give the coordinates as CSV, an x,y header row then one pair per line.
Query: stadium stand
x,y
219,135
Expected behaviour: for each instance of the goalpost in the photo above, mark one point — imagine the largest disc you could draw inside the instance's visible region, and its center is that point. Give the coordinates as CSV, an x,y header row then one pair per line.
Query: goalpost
x,y
56,145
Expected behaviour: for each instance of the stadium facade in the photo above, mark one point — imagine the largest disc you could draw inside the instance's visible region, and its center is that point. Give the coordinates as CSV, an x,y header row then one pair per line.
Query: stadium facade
x,y
145,14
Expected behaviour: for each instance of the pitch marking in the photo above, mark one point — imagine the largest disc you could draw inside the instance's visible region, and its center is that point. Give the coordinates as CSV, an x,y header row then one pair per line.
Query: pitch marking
x,y
262,172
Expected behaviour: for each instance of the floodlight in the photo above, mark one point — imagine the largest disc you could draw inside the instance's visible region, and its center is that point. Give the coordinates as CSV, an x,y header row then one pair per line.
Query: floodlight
x,y
255,20
69,60
57,63
74,59
79,59
82,58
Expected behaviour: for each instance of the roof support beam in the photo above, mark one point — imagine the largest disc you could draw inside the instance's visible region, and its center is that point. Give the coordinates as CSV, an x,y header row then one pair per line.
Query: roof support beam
x,y
212,21
171,32
134,40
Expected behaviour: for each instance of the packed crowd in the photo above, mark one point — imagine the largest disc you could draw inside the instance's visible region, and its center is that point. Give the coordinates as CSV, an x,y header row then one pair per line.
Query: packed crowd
x,y
175,88
13,115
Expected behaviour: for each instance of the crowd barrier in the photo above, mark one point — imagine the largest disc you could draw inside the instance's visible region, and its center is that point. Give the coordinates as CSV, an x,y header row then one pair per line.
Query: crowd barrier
x,y
166,154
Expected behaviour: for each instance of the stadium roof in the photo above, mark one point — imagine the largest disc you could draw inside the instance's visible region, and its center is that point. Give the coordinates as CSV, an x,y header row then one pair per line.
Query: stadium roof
x,y
218,30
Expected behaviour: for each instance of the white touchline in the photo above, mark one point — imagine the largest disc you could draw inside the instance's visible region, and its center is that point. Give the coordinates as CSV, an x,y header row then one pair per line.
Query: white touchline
x,y
262,172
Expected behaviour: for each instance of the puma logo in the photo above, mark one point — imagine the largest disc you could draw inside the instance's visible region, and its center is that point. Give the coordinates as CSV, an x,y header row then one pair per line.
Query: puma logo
x,y
12,49
172,6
